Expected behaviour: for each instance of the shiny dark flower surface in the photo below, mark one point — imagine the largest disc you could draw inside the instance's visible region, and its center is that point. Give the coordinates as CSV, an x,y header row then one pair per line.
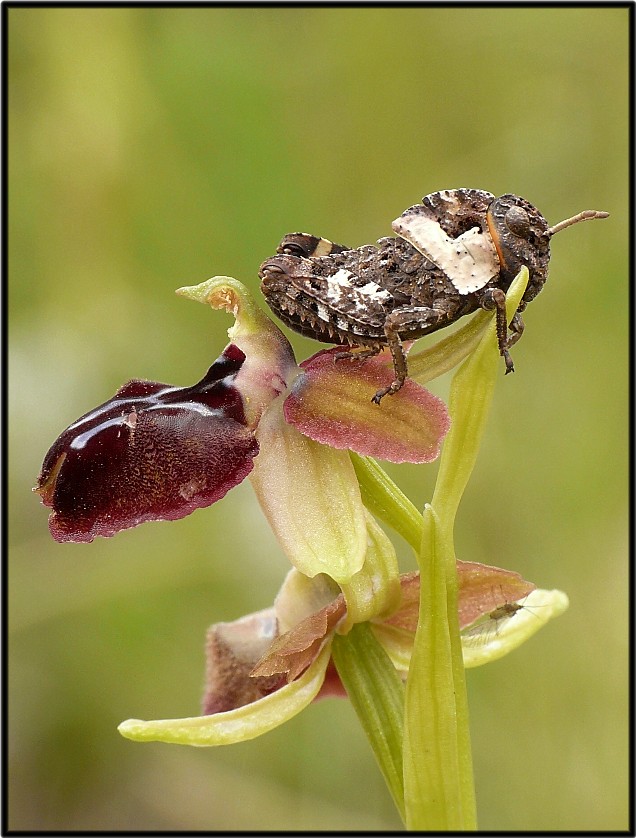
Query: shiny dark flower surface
x,y
152,452
156,452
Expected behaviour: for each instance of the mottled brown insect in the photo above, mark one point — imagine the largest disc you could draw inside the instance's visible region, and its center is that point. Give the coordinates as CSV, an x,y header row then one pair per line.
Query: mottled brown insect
x,y
454,253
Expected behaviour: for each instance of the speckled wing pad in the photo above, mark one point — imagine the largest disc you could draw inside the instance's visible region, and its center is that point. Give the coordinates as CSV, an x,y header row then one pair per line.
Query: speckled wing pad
x,y
448,227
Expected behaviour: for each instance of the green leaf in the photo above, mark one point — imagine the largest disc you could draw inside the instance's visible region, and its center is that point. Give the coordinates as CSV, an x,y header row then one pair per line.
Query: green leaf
x,y
438,787
438,359
470,397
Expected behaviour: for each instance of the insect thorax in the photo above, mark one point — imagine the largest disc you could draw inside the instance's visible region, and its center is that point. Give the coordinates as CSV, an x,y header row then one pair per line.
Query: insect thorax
x,y
346,297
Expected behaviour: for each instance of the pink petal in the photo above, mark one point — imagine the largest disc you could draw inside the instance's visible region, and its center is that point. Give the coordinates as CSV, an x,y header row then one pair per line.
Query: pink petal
x,y
331,403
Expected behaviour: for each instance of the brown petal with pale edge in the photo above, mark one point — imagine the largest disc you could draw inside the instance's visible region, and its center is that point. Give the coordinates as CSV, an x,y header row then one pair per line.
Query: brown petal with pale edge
x,y
292,652
331,403
481,589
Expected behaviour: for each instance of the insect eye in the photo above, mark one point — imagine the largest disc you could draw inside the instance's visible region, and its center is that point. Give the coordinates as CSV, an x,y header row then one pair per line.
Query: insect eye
x,y
518,222
271,268
292,249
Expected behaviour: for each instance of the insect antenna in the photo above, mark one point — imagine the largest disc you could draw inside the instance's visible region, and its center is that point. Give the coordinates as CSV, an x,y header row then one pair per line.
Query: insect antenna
x,y
581,216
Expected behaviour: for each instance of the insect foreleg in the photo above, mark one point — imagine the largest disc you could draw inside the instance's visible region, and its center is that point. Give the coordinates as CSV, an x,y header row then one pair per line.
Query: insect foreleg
x,y
516,327
496,298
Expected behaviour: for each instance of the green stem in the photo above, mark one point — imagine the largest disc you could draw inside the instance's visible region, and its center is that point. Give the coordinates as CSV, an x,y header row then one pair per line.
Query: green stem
x,y
376,693
384,499
437,761
438,776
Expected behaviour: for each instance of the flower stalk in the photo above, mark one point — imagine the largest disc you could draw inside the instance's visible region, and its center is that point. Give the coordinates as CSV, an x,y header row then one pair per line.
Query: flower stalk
x,y
387,501
376,693
439,786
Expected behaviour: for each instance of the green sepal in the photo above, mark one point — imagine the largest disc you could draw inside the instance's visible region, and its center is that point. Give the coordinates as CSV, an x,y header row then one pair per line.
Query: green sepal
x,y
386,500
493,638
238,725
311,498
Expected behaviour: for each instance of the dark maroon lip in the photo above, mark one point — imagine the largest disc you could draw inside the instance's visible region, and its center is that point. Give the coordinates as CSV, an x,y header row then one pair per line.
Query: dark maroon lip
x,y
151,452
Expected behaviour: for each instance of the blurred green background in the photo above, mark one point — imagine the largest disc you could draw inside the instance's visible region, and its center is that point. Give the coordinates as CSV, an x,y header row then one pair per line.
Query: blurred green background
x,y
152,148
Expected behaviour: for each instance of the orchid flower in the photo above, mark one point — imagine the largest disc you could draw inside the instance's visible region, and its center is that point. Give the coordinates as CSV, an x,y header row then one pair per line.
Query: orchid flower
x,y
156,452
264,668
345,621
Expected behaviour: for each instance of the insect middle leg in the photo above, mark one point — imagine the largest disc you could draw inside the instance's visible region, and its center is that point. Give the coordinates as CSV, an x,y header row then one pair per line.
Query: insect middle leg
x,y
402,322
